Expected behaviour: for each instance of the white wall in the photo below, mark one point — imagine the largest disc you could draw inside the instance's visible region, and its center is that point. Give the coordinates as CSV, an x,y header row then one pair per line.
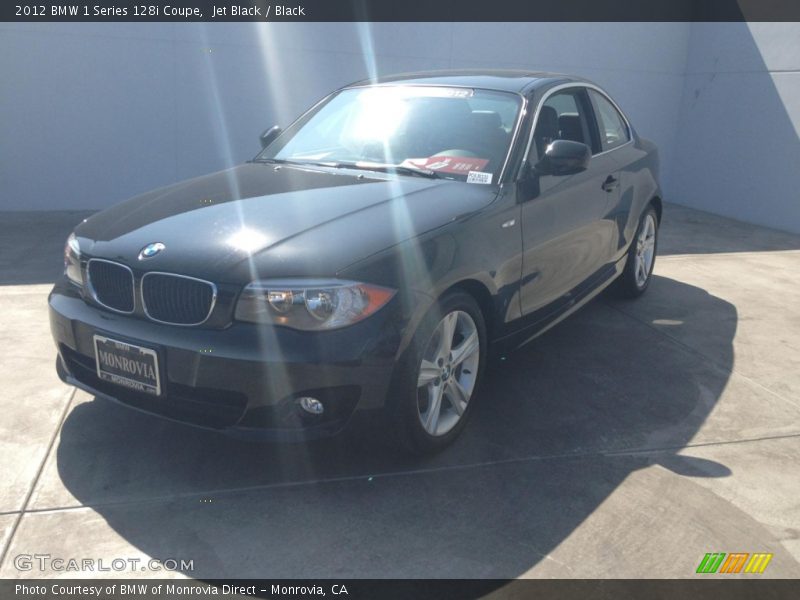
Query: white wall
x,y
91,114
738,143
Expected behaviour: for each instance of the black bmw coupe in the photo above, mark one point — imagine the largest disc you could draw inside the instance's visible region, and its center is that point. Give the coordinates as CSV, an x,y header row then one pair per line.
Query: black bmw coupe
x,y
372,256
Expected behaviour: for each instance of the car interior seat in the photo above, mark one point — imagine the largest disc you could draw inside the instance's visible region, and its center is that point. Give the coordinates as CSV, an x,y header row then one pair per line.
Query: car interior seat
x,y
571,128
546,129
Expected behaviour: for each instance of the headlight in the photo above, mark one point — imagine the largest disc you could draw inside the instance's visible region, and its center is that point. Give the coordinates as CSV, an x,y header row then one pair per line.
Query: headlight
x,y
310,305
72,260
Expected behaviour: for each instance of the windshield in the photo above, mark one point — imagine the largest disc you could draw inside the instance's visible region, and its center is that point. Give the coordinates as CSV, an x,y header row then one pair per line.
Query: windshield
x,y
449,132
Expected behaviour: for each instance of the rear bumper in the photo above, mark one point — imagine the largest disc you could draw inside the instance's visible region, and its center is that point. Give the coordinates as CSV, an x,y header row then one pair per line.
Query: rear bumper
x,y
244,379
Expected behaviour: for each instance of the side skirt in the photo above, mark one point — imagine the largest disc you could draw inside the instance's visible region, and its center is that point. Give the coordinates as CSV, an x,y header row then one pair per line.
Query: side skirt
x,y
530,333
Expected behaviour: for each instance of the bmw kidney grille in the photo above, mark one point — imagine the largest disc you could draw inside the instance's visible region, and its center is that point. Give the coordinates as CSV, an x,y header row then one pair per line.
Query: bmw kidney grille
x,y
165,297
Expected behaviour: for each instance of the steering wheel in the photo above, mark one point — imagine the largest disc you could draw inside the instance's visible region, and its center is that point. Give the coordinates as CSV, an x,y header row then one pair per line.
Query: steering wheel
x,y
373,152
457,152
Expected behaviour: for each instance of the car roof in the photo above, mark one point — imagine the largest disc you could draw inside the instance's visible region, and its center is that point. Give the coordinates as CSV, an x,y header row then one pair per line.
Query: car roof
x,y
502,80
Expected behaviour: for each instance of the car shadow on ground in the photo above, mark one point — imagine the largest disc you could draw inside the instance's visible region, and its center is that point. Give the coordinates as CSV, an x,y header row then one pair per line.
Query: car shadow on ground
x,y
549,441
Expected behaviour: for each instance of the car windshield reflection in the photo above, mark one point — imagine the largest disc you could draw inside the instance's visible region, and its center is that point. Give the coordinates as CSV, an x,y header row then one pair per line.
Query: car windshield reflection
x,y
447,132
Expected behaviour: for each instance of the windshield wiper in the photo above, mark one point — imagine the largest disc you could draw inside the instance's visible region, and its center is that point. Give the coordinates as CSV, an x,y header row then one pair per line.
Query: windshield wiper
x,y
365,166
381,167
272,161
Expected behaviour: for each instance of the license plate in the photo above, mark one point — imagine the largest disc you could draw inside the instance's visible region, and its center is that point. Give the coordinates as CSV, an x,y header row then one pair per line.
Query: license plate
x,y
128,365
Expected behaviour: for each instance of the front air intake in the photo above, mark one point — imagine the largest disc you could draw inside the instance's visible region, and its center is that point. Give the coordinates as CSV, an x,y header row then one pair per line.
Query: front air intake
x,y
111,284
177,299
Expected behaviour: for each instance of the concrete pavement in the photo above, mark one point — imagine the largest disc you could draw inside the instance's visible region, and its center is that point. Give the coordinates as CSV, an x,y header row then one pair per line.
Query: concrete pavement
x,y
626,442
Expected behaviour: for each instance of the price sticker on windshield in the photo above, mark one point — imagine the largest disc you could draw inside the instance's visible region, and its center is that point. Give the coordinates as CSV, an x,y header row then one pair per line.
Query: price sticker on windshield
x,y
459,165
479,177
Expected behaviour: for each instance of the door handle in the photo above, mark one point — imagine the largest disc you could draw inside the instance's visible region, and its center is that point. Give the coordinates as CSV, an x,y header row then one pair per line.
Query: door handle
x,y
610,184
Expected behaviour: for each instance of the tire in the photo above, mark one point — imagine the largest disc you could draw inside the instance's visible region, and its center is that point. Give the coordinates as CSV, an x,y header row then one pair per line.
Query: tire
x,y
635,278
428,374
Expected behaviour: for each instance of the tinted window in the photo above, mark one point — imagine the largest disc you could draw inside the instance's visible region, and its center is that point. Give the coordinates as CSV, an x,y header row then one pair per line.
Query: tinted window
x,y
613,131
563,117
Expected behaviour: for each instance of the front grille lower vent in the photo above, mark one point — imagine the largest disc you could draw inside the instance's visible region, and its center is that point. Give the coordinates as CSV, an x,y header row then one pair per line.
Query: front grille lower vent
x,y
111,284
177,299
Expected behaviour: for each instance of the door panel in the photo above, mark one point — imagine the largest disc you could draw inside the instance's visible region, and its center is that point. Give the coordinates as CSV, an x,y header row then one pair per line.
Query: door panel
x,y
568,234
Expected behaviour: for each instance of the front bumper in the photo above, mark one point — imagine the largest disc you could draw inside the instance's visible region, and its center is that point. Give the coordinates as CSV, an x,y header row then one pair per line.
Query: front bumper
x,y
244,379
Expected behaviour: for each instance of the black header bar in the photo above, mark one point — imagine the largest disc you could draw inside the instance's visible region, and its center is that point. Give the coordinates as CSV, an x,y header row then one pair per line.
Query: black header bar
x,y
703,587
400,10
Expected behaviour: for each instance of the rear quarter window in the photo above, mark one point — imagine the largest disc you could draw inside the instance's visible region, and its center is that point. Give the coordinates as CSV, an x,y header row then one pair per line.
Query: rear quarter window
x,y
613,129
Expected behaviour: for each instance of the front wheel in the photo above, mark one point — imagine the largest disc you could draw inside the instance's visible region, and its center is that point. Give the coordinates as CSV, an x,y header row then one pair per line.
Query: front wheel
x,y
641,257
439,375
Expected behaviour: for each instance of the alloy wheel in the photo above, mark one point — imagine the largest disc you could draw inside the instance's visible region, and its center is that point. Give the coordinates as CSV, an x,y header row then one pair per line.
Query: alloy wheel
x,y
448,372
645,250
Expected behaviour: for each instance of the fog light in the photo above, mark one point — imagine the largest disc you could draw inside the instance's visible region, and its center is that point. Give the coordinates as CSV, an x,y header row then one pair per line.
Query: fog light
x,y
311,405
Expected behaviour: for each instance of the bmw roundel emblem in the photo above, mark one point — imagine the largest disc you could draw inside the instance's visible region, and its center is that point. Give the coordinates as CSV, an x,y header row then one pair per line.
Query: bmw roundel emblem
x,y
151,250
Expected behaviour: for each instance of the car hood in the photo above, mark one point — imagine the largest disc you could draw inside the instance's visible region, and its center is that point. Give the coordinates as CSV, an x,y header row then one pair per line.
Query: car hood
x,y
256,220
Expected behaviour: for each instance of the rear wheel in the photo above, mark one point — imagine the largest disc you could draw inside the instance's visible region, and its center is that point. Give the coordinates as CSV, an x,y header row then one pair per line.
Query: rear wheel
x,y
439,375
641,257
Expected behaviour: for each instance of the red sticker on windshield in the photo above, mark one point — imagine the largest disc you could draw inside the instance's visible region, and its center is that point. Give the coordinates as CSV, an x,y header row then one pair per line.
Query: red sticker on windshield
x,y
459,165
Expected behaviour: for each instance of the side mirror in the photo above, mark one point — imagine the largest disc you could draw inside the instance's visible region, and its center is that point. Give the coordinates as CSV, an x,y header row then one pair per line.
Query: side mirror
x,y
564,157
269,135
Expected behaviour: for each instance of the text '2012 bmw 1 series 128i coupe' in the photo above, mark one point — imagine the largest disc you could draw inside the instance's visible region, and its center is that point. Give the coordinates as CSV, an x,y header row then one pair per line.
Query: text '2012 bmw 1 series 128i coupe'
x,y
372,256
